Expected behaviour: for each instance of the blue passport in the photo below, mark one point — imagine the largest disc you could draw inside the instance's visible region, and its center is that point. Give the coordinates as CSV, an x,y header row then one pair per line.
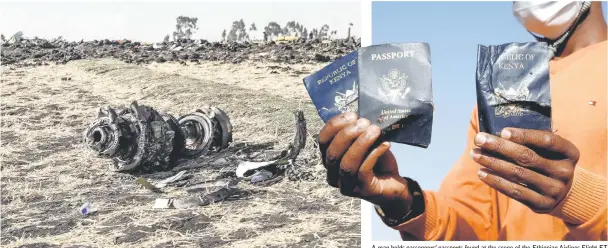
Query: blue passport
x,y
395,91
334,89
513,86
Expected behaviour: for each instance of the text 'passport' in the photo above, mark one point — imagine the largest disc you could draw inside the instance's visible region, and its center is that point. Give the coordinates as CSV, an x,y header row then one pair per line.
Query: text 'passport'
x,y
395,91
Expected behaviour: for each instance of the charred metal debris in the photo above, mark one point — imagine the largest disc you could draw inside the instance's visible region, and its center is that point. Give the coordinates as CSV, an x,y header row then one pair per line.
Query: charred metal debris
x,y
140,138
38,52
281,164
258,173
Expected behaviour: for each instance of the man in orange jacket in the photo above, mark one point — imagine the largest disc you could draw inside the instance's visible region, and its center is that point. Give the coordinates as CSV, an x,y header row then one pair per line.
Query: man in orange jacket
x,y
523,194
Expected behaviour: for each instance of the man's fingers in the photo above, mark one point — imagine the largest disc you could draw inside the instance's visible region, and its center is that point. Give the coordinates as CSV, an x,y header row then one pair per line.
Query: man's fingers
x,y
353,158
336,150
327,134
528,197
516,153
332,177
334,125
542,139
514,173
344,139
366,171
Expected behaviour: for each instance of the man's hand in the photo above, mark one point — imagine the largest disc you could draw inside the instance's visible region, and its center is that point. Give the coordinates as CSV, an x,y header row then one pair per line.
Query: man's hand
x,y
533,167
356,167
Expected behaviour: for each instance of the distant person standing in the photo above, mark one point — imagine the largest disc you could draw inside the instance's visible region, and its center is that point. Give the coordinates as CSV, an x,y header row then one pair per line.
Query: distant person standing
x,y
523,185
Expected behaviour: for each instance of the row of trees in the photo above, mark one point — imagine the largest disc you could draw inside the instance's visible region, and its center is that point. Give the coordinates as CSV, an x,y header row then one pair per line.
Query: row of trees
x,y
186,26
273,30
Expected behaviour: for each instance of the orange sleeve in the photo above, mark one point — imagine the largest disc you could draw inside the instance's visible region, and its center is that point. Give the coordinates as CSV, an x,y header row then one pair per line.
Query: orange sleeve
x,y
584,208
464,208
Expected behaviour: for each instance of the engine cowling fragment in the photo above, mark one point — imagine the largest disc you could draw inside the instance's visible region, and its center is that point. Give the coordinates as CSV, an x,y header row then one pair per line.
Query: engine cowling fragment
x,y
206,129
141,138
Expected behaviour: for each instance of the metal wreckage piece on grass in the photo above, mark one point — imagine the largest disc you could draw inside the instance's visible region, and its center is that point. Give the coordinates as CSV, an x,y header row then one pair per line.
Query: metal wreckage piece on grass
x,y
276,168
284,162
141,138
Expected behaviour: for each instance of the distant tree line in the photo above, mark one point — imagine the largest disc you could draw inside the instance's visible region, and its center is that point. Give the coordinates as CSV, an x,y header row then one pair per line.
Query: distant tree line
x,y
274,30
186,26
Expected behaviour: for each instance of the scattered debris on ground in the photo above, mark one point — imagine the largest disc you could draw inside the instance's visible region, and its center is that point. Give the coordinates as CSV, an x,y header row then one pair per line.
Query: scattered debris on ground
x,y
85,209
47,176
42,51
260,173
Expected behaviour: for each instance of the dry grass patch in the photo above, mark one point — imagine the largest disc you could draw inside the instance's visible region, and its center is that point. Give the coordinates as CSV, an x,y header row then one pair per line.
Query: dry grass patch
x,y
47,174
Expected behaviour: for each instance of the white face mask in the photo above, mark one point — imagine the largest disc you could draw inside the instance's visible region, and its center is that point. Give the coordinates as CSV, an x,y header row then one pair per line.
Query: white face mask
x,y
549,19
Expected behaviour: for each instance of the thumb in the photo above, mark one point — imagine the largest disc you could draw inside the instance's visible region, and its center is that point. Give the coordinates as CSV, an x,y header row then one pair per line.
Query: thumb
x,y
366,171
387,164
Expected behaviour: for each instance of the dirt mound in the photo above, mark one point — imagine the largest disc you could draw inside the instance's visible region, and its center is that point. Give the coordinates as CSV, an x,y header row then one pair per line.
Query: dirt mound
x,y
42,51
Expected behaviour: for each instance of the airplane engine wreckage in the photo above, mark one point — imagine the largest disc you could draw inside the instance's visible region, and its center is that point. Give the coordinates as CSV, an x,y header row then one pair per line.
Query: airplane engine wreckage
x,y
139,138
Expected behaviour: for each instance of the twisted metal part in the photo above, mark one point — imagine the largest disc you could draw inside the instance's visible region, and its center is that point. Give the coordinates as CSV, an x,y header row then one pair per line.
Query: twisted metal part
x,y
141,138
207,129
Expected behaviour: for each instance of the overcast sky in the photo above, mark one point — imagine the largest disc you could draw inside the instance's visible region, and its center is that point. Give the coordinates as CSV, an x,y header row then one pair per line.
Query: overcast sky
x,y
151,21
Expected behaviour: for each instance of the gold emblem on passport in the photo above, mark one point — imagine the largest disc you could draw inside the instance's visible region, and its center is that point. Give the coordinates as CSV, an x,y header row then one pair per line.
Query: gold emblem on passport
x,y
346,102
516,96
382,118
393,86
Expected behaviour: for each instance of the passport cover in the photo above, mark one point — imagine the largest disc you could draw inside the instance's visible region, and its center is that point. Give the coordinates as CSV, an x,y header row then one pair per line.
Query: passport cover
x,y
513,86
334,89
395,91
